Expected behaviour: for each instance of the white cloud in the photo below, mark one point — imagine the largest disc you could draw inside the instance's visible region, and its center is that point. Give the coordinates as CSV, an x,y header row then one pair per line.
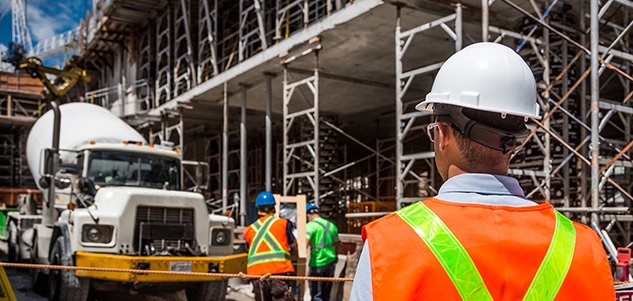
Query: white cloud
x,y
3,47
43,25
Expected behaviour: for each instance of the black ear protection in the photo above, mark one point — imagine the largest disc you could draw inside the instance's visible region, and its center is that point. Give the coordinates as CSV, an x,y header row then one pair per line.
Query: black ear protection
x,y
496,139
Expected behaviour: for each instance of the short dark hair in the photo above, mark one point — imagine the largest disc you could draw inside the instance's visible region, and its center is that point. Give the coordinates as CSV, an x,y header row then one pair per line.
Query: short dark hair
x,y
474,152
266,208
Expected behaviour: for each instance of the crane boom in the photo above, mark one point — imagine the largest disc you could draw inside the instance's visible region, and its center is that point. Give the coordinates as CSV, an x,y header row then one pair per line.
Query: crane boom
x,y
21,35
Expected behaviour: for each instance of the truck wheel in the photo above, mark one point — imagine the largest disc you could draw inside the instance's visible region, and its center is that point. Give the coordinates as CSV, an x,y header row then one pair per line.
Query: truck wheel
x,y
63,284
38,278
207,291
13,243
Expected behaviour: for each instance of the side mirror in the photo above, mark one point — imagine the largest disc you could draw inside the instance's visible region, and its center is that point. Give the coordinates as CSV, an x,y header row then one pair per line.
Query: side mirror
x,y
70,168
87,186
45,182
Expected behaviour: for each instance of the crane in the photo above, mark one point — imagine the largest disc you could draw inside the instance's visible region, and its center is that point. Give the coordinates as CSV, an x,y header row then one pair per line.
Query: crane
x,y
21,35
22,55
69,77
22,47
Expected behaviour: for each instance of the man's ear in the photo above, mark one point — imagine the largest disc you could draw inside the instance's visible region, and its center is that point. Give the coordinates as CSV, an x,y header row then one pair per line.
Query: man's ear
x,y
444,135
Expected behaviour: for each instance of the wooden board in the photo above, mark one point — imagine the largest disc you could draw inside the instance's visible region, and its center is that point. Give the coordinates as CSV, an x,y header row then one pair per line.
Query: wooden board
x,y
300,201
20,83
9,196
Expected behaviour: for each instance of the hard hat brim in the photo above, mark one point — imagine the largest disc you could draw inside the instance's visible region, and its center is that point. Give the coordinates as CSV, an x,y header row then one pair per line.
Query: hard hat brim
x,y
427,106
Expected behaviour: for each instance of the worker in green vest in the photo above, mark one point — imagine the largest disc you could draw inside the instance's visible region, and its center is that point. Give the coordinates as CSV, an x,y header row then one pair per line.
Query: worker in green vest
x,y
322,237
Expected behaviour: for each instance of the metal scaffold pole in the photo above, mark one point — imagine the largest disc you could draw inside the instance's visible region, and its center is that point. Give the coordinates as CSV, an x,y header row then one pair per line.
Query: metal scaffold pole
x,y
583,113
317,129
595,118
458,27
225,148
547,160
484,20
284,185
399,184
269,136
243,159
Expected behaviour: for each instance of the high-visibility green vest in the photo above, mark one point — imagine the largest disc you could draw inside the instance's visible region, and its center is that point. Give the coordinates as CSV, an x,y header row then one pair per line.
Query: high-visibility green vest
x,y
322,235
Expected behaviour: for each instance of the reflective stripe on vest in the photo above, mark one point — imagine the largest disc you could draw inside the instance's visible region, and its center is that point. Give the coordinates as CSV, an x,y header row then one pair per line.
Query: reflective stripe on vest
x,y
322,244
463,272
262,234
554,268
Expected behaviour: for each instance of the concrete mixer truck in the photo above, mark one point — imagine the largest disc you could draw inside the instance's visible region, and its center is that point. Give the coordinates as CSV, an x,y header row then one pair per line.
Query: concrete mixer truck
x,y
111,200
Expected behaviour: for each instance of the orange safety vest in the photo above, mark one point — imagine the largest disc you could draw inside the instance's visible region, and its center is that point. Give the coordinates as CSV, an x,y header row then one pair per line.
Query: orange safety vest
x,y
506,244
268,250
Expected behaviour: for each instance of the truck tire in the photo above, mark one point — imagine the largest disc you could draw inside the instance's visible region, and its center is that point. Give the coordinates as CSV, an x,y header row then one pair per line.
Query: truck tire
x,y
63,284
13,243
207,291
38,278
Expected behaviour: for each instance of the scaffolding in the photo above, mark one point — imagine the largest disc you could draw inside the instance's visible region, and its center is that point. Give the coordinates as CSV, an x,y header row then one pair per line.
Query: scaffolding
x,y
20,105
200,53
406,115
296,168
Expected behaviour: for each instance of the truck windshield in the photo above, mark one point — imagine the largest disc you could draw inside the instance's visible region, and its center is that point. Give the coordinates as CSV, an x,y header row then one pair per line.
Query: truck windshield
x,y
111,168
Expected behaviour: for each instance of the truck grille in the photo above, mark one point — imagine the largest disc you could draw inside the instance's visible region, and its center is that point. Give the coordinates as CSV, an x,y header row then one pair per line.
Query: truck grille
x,y
163,227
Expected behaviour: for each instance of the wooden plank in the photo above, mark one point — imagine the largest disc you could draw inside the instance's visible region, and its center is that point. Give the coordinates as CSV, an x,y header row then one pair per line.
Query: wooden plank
x,y
9,196
300,201
20,82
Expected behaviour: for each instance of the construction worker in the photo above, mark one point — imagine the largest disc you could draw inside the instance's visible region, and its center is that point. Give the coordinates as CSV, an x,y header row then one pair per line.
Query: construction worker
x,y
270,240
480,238
322,237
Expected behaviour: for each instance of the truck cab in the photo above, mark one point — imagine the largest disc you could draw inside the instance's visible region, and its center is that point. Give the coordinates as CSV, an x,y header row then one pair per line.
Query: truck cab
x,y
126,164
127,199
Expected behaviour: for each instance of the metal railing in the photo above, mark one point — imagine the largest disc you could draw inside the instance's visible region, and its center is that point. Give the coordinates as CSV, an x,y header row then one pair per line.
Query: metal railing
x,y
136,99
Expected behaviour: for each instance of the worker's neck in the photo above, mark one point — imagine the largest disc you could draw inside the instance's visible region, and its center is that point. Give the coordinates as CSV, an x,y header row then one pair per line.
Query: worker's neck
x,y
497,169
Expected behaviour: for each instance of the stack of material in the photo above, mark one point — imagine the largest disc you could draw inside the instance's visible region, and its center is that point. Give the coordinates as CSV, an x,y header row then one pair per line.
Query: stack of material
x,y
355,224
20,83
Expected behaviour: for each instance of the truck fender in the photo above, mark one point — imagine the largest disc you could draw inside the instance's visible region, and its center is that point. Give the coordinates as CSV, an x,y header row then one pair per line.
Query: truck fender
x,y
60,229
27,237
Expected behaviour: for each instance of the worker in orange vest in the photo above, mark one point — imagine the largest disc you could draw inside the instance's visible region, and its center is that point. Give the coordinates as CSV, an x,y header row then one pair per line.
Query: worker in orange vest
x,y
270,239
480,238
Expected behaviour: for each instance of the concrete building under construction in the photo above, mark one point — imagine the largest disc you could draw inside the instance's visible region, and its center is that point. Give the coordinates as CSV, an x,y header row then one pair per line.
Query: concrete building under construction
x,y
317,97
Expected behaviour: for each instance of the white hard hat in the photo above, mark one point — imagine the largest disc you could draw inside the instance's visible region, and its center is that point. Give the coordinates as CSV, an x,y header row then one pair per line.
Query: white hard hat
x,y
488,77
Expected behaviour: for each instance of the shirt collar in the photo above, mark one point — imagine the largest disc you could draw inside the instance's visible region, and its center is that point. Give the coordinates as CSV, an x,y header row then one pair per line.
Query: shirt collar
x,y
483,184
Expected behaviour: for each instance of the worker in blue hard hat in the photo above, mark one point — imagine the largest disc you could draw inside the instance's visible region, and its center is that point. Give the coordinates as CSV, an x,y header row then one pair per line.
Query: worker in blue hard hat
x,y
322,237
269,239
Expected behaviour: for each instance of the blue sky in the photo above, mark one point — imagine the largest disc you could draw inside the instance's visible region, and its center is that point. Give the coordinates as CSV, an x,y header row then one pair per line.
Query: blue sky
x,y
45,18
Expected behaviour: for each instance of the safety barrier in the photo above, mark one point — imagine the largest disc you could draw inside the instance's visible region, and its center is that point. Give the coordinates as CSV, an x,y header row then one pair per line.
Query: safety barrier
x,y
238,275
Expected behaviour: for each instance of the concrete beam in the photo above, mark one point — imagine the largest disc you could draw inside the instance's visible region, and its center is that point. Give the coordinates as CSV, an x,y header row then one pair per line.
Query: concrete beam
x,y
337,18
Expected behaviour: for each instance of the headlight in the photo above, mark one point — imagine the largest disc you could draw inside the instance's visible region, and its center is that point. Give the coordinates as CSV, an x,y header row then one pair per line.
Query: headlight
x,y
220,237
96,234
